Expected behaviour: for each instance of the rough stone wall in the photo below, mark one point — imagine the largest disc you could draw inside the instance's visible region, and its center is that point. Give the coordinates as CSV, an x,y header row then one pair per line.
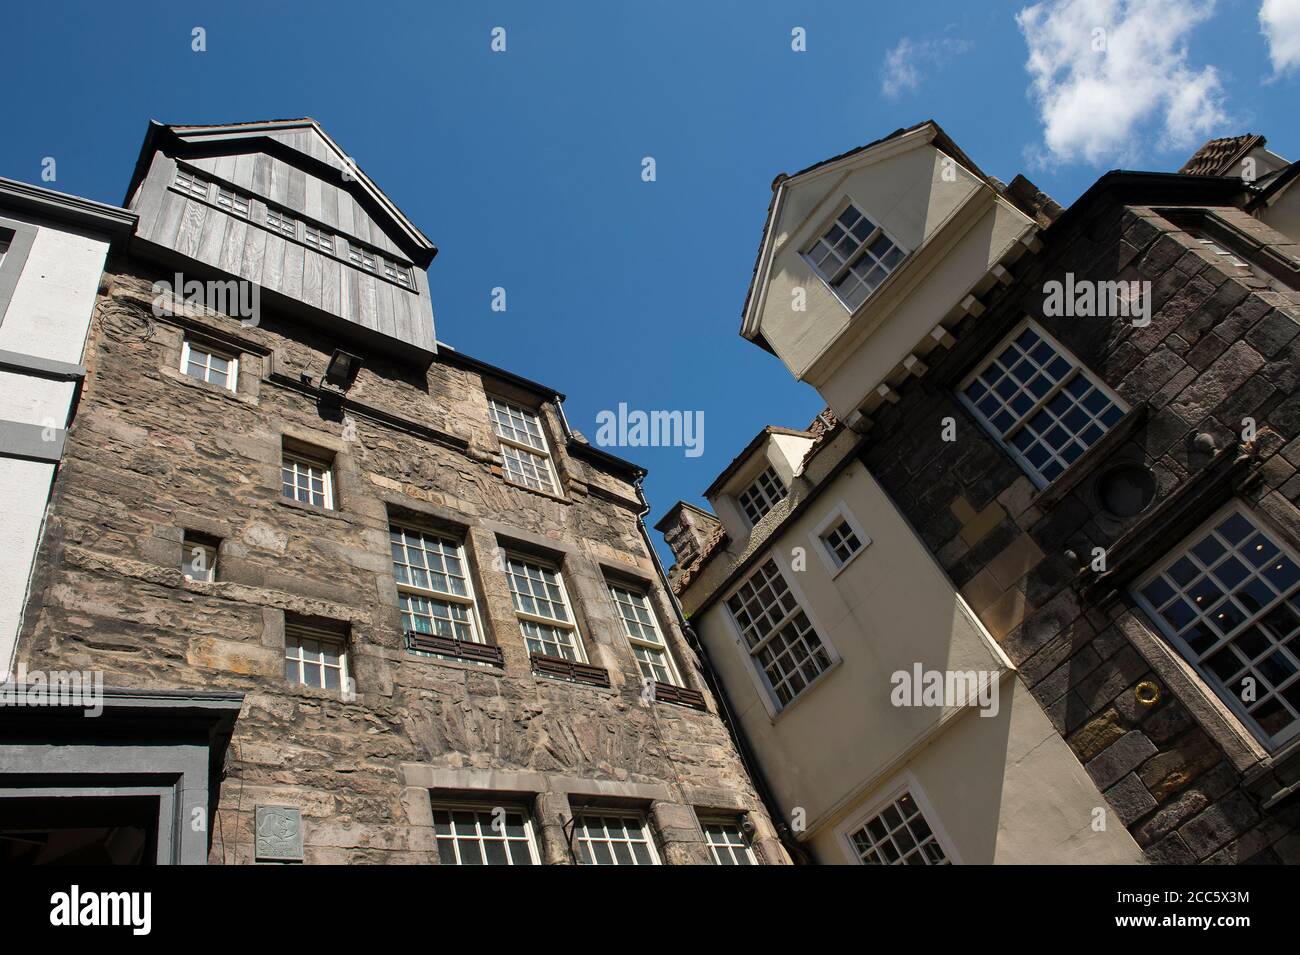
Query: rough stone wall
x,y
1182,774
154,454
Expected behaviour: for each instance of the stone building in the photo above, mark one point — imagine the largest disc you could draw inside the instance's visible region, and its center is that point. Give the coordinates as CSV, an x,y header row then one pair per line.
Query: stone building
x,y
355,596
1090,417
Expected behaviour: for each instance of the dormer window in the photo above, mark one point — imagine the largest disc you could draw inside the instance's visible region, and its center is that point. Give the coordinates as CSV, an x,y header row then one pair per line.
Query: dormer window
x,y
761,496
853,256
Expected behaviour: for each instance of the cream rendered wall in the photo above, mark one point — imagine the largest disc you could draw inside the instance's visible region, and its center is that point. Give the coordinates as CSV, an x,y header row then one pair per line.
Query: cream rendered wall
x,y
784,452
951,278
1284,214
889,608
904,194
47,317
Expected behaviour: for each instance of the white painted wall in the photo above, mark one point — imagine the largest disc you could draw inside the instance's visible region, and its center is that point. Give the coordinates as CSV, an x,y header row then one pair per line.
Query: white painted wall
x,y
47,317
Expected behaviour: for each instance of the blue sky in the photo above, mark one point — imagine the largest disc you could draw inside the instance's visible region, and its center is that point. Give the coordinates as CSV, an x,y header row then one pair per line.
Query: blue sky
x,y
524,167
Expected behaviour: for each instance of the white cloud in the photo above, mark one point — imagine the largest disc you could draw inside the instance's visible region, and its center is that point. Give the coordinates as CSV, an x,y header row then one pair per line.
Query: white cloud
x,y
1279,21
1110,75
910,59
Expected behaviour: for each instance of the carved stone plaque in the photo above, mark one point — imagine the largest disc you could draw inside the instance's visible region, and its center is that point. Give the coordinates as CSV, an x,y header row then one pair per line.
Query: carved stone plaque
x,y
279,834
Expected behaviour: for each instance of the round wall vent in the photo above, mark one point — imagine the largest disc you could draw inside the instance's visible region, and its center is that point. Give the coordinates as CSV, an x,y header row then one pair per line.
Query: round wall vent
x,y
1126,490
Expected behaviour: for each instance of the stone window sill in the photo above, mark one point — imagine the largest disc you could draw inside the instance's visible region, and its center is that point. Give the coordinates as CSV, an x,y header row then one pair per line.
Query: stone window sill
x,y
209,388
329,512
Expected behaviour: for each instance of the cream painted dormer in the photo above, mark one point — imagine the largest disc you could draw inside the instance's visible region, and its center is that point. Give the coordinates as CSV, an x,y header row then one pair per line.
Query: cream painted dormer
x,y
936,232
758,480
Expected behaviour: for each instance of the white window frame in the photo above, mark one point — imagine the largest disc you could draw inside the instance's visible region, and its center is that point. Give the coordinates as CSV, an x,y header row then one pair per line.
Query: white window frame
x,y
571,625
188,547
726,821
855,256
320,635
660,647
767,692
479,808
839,513
758,491
580,827
539,450
1219,689
232,377
303,460
466,600
1077,369
905,783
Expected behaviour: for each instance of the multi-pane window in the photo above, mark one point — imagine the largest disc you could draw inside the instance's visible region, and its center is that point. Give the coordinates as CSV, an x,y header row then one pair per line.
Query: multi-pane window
x,y
1229,597
523,445
189,183
542,606
361,258
232,202
898,835
854,255
642,633
198,559
727,842
201,362
433,585
397,272
1040,403
605,838
318,239
314,657
308,480
761,496
484,835
282,223
777,632
841,543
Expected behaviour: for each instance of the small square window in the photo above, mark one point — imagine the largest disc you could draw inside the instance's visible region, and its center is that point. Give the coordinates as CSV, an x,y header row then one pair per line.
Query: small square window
x,y
209,365
315,657
307,480
282,223
397,272
318,239
191,184
199,557
361,258
841,542
232,202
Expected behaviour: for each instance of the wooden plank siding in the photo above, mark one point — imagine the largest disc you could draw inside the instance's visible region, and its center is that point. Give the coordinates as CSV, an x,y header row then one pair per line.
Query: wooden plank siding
x,y
246,248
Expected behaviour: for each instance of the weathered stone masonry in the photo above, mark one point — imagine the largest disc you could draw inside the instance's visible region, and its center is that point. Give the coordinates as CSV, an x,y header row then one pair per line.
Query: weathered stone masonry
x,y
1181,774
154,454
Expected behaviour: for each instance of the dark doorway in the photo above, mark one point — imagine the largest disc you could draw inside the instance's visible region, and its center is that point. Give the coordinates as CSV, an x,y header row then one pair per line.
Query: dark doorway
x,y
79,830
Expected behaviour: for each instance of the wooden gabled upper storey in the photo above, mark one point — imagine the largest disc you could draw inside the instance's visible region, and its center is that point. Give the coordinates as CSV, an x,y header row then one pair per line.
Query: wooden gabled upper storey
x,y
280,204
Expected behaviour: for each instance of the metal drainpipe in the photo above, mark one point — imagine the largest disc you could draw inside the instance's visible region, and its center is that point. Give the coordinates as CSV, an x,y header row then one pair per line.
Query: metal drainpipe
x,y
796,851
